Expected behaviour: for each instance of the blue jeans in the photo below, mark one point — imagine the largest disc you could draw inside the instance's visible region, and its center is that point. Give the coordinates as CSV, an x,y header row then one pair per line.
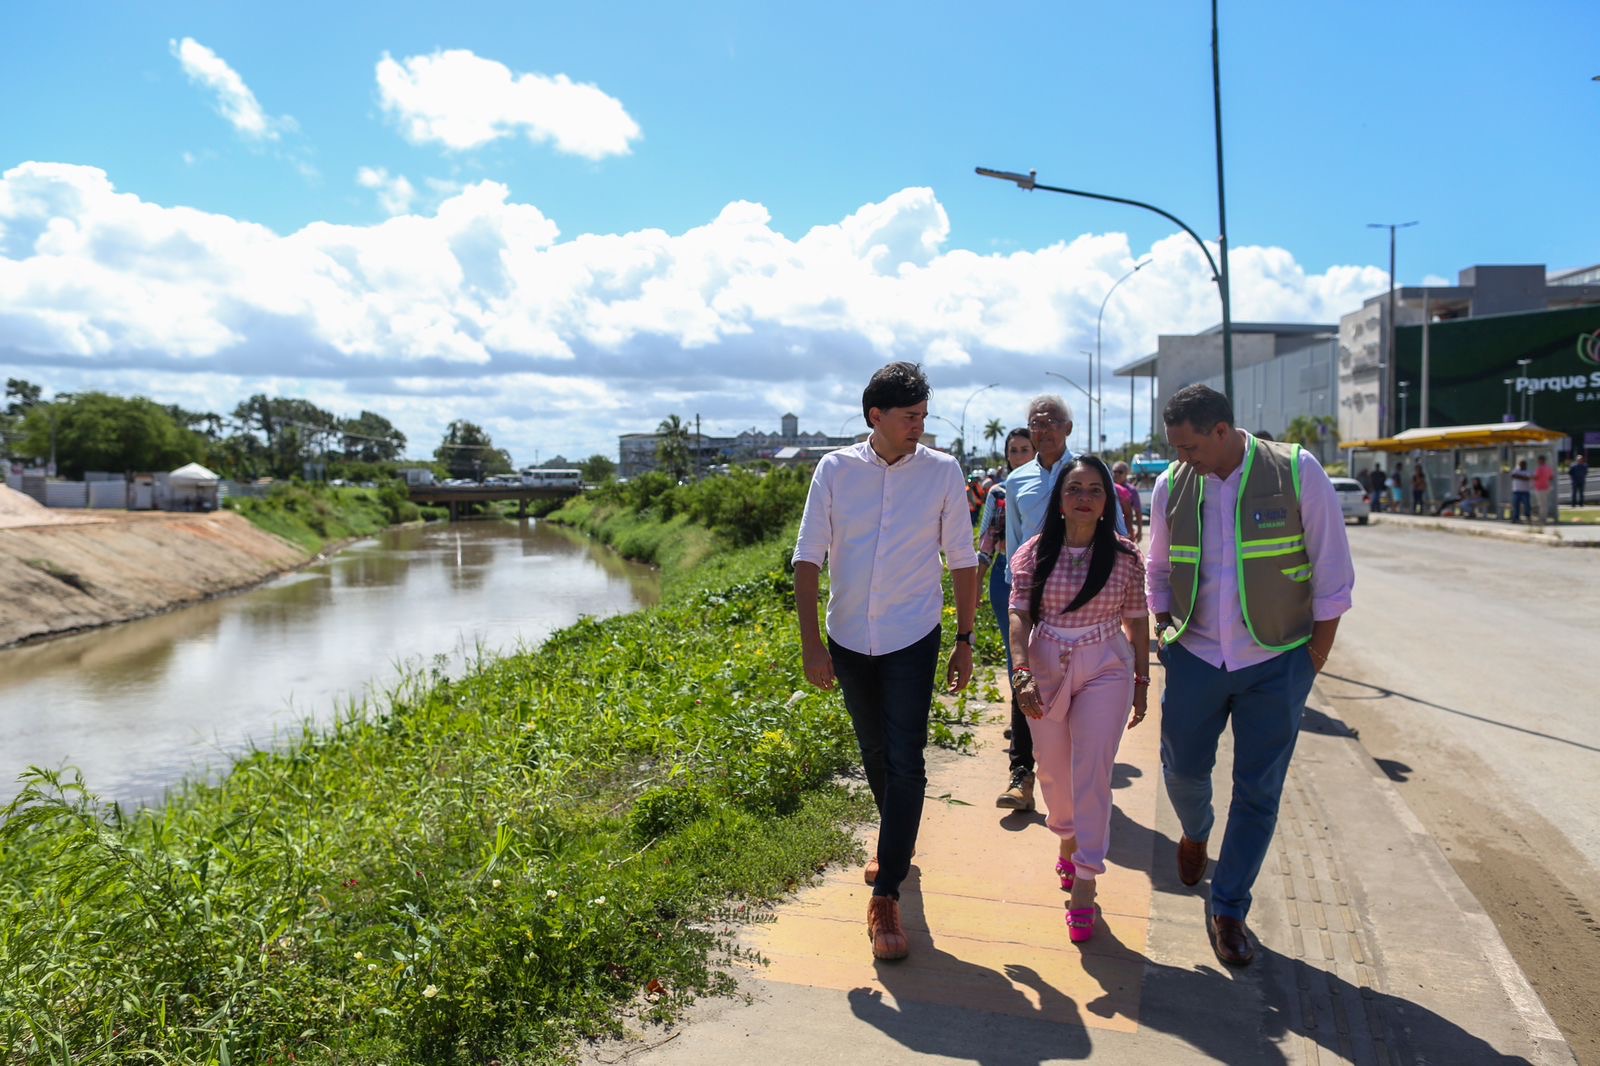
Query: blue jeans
x,y
888,697
1521,504
1265,702
1021,750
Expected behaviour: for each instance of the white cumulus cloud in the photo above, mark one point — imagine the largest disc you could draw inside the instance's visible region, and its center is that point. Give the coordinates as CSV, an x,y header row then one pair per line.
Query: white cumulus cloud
x,y
479,308
230,95
461,100
395,193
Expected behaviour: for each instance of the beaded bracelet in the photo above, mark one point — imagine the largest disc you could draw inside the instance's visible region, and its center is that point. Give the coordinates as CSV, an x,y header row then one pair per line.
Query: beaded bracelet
x,y
1141,681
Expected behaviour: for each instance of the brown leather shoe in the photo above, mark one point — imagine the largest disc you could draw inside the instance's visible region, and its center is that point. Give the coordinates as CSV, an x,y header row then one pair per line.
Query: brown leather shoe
x,y
1230,940
1191,860
871,871
883,927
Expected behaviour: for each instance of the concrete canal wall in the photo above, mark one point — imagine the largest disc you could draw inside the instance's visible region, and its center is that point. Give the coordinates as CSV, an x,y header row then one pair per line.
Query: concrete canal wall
x,y
97,567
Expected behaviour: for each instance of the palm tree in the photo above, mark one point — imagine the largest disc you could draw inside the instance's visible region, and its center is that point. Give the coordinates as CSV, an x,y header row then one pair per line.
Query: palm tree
x,y
672,450
993,431
1310,431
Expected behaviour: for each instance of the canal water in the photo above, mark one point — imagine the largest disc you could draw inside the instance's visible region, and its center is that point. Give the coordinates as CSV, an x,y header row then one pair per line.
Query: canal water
x,y
140,706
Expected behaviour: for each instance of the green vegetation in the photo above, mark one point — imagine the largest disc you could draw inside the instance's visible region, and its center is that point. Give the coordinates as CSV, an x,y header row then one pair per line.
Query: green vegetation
x,y
311,515
466,870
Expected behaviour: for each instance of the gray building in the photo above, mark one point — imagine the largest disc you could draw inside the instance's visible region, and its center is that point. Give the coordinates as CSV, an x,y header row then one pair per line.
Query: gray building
x,y
1367,392
1281,372
636,452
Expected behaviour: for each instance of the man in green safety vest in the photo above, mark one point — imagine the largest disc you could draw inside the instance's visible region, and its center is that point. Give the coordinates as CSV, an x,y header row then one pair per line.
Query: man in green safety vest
x,y
1249,572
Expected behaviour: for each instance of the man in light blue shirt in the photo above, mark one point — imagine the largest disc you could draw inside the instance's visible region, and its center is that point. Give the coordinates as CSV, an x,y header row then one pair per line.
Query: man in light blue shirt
x,y
1030,493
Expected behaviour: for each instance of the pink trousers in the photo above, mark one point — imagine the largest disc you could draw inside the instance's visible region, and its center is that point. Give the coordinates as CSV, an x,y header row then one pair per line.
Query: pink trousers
x,y
1075,743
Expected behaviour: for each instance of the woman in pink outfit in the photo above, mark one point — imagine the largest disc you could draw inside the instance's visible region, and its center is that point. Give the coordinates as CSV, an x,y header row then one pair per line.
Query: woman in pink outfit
x,y
1080,643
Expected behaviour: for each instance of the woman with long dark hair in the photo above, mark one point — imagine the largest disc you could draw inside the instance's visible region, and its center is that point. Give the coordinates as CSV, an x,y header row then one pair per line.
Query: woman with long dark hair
x,y
1080,644
992,558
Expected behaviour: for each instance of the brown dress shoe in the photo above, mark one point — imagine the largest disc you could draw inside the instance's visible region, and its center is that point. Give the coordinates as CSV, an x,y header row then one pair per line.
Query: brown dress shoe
x,y
883,927
871,871
1230,940
1191,860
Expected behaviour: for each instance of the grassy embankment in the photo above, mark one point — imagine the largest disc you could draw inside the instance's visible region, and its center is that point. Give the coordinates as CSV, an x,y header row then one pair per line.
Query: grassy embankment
x,y
462,871
315,515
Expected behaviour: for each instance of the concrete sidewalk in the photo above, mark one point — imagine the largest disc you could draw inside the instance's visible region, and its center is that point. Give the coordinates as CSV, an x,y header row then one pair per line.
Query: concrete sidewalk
x,y
1371,949
1559,535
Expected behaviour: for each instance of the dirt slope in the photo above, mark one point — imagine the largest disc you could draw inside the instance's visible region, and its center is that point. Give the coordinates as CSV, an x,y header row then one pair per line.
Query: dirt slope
x,y
118,565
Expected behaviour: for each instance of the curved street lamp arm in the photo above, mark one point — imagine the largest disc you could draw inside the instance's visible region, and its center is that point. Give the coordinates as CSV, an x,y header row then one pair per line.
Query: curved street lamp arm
x,y
1028,183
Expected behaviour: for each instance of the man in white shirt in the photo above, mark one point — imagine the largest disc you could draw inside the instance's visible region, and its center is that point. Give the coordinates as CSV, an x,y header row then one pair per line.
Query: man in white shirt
x,y
880,513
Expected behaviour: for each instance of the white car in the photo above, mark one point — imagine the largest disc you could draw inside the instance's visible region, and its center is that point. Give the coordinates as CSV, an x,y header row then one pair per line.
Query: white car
x,y
1354,499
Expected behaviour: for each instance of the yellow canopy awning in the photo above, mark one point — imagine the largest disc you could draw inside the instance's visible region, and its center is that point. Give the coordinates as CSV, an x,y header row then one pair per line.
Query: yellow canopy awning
x,y
1446,438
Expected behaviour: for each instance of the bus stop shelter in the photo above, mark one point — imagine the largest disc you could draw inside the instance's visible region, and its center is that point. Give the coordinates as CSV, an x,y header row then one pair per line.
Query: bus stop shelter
x,y
1449,454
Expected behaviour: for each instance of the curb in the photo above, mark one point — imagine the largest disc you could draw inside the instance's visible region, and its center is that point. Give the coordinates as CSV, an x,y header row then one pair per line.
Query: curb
x,y
1549,540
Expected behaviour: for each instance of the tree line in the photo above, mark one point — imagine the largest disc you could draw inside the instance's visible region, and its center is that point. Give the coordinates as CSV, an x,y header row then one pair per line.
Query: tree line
x,y
263,436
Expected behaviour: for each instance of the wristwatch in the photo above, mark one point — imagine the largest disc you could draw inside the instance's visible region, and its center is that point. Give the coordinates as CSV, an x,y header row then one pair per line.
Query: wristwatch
x,y
965,638
1162,627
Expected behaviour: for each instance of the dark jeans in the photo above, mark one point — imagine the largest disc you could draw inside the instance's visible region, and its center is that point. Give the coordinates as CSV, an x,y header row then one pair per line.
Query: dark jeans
x,y
1577,493
888,697
1521,504
1021,749
1264,704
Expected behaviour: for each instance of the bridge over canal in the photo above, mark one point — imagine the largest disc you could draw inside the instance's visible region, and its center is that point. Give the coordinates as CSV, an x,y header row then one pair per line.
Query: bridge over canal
x,y
458,497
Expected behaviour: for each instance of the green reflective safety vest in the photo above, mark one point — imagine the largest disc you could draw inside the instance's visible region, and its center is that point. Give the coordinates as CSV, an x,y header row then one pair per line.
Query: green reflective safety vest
x,y
1269,545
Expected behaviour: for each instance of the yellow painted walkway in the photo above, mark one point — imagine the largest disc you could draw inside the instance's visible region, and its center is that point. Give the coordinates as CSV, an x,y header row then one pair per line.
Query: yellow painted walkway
x,y
982,908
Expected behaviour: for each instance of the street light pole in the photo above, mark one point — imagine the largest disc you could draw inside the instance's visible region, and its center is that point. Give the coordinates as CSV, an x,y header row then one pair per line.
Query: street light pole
x,y
1089,397
952,425
1029,181
1405,391
1509,415
1097,378
1392,360
985,388
1222,214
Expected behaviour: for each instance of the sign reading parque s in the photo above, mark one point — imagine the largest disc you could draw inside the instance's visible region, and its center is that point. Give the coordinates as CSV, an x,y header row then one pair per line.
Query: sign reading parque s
x,y
1471,359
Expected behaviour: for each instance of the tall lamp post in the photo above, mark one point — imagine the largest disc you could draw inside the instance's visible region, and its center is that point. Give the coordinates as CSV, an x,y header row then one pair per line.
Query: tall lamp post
x,y
1405,391
1392,360
1028,182
1097,380
953,426
985,388
1522,375
1509,416
1087,394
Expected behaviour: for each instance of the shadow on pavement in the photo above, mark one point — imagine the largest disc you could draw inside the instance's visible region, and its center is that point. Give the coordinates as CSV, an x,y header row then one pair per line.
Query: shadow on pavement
x,y
1236,1016
1243,1016
1378,692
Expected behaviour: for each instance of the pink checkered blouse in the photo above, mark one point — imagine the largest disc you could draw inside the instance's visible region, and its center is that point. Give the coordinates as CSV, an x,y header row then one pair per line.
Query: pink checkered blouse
x,y
1122,596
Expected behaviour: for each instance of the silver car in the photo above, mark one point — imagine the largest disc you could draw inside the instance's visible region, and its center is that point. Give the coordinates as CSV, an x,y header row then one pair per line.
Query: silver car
x,y
1354,499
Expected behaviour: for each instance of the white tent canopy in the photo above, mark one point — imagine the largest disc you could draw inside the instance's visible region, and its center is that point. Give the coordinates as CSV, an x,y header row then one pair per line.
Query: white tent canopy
x,y
193,472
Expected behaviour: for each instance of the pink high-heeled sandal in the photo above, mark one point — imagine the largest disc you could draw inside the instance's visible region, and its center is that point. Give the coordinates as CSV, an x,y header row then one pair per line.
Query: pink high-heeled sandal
x,y
1067,872
1080,923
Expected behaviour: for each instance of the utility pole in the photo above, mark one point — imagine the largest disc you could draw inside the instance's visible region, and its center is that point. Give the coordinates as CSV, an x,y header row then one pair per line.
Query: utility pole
x,y
1385,392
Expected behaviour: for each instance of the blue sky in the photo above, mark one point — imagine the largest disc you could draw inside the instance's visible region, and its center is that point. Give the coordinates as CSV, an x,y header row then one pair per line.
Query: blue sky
x,y
856,124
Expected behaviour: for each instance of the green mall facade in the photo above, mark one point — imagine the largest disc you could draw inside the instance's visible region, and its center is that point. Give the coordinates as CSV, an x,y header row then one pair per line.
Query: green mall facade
x,y
1540,366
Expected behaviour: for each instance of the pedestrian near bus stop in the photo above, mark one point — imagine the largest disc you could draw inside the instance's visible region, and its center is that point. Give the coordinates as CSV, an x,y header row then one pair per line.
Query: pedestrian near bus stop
x,y
1521,492
880,513
1578,472
1249,572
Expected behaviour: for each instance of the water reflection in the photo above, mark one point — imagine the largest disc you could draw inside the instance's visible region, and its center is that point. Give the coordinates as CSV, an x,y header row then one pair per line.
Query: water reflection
x,y
141,705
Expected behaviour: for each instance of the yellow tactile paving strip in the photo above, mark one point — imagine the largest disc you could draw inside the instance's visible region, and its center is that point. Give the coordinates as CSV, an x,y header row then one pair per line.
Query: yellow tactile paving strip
x,y
982,909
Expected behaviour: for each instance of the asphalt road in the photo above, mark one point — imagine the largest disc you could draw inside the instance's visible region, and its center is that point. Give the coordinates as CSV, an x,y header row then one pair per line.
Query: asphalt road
x,y
1471,669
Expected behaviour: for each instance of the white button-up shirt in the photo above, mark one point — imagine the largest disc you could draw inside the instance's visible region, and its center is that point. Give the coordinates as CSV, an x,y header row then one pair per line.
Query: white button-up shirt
x,y
1216,631
881,528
